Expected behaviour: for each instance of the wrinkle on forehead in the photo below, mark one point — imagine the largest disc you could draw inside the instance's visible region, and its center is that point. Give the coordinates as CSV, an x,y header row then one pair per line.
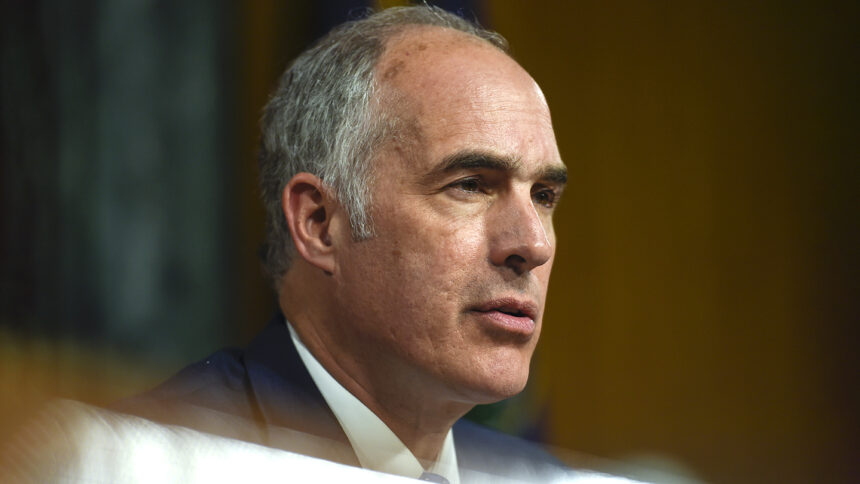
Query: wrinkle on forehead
x,y
489,97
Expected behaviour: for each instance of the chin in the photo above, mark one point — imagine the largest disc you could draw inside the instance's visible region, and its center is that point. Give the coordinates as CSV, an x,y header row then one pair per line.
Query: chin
x,y
498,382
497,393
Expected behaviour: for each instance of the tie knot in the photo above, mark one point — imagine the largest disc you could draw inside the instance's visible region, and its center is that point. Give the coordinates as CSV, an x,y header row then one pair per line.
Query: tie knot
x,y
431,477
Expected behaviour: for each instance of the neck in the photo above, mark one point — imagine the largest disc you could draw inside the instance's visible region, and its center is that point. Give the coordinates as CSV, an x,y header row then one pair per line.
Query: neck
x,y
421,425
420,419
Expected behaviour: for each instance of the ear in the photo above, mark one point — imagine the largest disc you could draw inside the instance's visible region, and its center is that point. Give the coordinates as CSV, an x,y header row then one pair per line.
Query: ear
x,y
309,210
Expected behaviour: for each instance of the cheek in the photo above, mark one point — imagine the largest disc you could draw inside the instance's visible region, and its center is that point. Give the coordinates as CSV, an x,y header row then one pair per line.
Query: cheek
x,y
424,260
435,240
441,257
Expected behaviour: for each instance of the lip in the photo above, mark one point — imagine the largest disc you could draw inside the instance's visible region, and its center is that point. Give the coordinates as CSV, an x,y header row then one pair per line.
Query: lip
x,y
512,315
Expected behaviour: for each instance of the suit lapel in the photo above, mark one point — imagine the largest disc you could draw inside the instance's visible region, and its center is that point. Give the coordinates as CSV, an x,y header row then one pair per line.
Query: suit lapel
x,y
288,402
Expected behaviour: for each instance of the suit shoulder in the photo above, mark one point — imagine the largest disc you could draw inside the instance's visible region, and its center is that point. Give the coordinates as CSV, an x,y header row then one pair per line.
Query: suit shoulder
x,y
218,382
483,449
487,455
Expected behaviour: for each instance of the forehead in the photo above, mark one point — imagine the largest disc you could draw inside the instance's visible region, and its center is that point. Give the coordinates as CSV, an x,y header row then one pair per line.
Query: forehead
x,y
454,92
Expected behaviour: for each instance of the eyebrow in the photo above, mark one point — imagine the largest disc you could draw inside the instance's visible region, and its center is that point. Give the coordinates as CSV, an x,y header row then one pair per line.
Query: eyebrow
x,y
482,160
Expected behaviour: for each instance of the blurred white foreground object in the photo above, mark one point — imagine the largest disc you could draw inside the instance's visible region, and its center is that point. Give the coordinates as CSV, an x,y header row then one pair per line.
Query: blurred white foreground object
x,y
73,442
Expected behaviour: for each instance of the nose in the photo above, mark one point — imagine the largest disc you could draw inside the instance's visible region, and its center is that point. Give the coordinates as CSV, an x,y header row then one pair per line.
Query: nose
x,y
519,240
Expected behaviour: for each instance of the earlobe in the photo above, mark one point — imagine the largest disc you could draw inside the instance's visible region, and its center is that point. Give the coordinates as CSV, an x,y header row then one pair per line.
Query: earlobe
x,y
308,210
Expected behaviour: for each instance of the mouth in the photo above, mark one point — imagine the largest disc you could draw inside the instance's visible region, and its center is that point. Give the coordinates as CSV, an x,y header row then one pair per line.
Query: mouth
x,y
510,315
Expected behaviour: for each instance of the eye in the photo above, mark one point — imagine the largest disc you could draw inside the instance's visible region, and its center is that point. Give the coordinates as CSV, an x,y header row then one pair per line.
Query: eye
x,y
470,185
545,197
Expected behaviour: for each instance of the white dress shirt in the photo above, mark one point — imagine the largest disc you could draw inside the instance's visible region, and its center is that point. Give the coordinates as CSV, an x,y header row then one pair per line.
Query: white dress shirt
x,y
375,445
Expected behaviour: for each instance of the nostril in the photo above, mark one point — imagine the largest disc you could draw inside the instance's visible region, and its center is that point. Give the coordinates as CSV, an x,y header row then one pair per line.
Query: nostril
x,y
516,262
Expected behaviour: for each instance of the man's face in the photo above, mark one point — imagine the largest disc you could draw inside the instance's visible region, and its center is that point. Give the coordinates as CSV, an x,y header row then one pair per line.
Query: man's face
x,y
449,295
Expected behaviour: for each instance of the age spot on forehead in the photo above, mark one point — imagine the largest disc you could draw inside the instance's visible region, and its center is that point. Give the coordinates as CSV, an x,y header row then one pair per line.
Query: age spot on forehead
x,y
393,70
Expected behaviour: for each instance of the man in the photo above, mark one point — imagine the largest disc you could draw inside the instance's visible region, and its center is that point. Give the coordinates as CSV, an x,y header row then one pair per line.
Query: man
x,y
409,171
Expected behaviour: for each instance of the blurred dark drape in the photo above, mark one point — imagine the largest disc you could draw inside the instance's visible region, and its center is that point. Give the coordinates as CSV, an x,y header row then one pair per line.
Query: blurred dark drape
x,y
121,147
116,162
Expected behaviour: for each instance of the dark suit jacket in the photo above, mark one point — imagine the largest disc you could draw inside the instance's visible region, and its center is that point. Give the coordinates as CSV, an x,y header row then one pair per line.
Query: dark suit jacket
x,y
265,395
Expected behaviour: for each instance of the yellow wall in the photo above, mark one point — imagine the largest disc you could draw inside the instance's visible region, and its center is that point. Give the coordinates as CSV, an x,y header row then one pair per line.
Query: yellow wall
x,y
691,307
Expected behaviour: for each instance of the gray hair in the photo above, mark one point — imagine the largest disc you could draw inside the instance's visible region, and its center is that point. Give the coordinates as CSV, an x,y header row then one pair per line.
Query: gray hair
x,y
321,119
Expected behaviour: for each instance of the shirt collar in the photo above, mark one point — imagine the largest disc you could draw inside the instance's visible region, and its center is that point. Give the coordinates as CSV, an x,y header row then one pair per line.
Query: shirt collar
x,y
375,445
